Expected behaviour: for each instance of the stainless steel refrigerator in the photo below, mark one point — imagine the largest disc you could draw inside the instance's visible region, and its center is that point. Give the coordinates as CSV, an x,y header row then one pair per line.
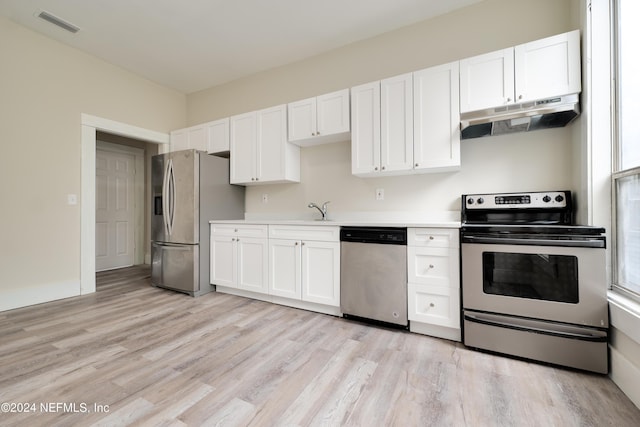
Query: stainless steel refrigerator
x,y
189,188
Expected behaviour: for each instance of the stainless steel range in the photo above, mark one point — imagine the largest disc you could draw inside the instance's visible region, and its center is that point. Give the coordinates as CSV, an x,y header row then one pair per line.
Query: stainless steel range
x,y
533,283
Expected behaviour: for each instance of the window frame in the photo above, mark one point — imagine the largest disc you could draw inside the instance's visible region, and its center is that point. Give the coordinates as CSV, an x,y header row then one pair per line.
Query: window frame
x,y
616,172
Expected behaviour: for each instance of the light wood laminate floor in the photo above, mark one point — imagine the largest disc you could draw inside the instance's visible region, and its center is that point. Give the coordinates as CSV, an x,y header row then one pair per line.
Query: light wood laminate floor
x,y
155,357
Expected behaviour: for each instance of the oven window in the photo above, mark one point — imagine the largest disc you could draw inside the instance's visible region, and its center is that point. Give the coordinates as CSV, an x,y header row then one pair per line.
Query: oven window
x,y
535,276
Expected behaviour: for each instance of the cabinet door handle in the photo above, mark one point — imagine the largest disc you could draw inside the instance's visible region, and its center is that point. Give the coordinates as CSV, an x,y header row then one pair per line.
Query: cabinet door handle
x,y
432,305
430,265
431,237
520,96
375,169
296,243
383,168
417,164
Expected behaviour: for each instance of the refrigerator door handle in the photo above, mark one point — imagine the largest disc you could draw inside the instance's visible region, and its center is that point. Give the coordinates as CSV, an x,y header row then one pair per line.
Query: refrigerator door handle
x,y
166,198
172,189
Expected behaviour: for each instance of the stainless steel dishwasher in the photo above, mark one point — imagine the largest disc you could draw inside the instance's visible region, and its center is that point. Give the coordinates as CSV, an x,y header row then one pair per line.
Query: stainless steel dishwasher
x,y
373,274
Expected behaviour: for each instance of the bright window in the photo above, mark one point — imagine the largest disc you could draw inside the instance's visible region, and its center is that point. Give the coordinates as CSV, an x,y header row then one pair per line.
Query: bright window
x,y
626,174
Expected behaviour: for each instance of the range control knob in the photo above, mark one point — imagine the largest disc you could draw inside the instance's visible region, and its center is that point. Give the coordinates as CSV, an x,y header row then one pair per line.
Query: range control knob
x,y
546,199
559,198
470,201
480,200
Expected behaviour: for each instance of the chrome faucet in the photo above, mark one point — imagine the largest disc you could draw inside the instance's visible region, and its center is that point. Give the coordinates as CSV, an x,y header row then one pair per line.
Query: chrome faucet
x,y
323,209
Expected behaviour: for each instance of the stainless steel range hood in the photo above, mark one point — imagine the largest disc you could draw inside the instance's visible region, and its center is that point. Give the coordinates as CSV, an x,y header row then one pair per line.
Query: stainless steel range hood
x,y
542,114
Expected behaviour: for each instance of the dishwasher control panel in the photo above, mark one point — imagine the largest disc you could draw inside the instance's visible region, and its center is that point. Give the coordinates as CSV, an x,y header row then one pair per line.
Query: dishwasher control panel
x,y
381,235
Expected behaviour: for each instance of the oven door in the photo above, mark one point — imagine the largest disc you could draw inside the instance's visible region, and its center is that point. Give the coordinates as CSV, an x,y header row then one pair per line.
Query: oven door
x,y
552,283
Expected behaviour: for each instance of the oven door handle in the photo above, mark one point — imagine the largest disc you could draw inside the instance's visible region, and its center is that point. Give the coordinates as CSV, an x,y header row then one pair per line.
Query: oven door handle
x,y
583,243
537,326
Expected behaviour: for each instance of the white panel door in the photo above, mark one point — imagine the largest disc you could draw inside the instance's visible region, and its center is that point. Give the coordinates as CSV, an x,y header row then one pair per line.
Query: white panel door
x,y
487,81
302,119
333,112
253,262
284,268
548,67
365,129
223,264
396,123
115,214
436,118
272,137
243,148
321,272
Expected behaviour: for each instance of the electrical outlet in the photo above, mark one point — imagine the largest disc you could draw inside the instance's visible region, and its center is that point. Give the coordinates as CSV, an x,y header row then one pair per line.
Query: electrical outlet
x,y
379,193
265,198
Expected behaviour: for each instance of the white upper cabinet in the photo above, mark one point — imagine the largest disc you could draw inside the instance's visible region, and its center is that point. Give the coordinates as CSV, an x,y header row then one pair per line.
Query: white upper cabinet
x,y
527,72
406,124
382,127
188,138
218,136
319,120
486,80
212,137
436,127
548,67
179,140
259,150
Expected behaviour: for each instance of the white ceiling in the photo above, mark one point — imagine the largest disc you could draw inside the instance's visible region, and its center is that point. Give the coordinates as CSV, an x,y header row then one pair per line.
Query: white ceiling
x,y
195,44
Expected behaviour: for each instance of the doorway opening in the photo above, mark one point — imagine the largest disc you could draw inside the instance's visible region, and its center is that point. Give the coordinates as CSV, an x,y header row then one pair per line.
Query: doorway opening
x,y
122,201
90,125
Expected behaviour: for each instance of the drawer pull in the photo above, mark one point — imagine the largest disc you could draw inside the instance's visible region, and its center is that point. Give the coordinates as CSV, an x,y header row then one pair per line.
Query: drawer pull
x,y
432,305
431,237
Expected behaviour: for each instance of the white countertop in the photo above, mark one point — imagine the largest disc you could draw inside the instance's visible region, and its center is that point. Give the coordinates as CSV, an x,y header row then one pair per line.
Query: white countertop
x,y
362,219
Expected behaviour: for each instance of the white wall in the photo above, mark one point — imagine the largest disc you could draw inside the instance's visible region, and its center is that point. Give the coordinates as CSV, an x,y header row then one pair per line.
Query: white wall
x,y
44,88
534,161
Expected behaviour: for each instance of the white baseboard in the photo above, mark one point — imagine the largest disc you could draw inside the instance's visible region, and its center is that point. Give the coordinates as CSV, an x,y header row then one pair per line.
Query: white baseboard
x,y
38,294
626,375
318,308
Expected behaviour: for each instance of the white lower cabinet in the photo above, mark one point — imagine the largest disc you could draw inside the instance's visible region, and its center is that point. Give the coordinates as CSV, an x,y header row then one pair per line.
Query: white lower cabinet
x,y
304,264
434,282
299,266
239,257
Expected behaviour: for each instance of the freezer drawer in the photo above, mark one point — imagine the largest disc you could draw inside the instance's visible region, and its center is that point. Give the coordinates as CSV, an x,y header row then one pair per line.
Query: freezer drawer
x,y
176,267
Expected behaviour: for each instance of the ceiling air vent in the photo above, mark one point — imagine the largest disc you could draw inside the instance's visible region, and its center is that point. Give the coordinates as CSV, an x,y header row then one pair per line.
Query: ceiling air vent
x,y
58,21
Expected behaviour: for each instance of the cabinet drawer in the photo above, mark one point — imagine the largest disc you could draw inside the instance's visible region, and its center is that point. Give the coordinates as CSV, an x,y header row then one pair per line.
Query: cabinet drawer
x,y
433,237
433,266
321,233
436,305
238,230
